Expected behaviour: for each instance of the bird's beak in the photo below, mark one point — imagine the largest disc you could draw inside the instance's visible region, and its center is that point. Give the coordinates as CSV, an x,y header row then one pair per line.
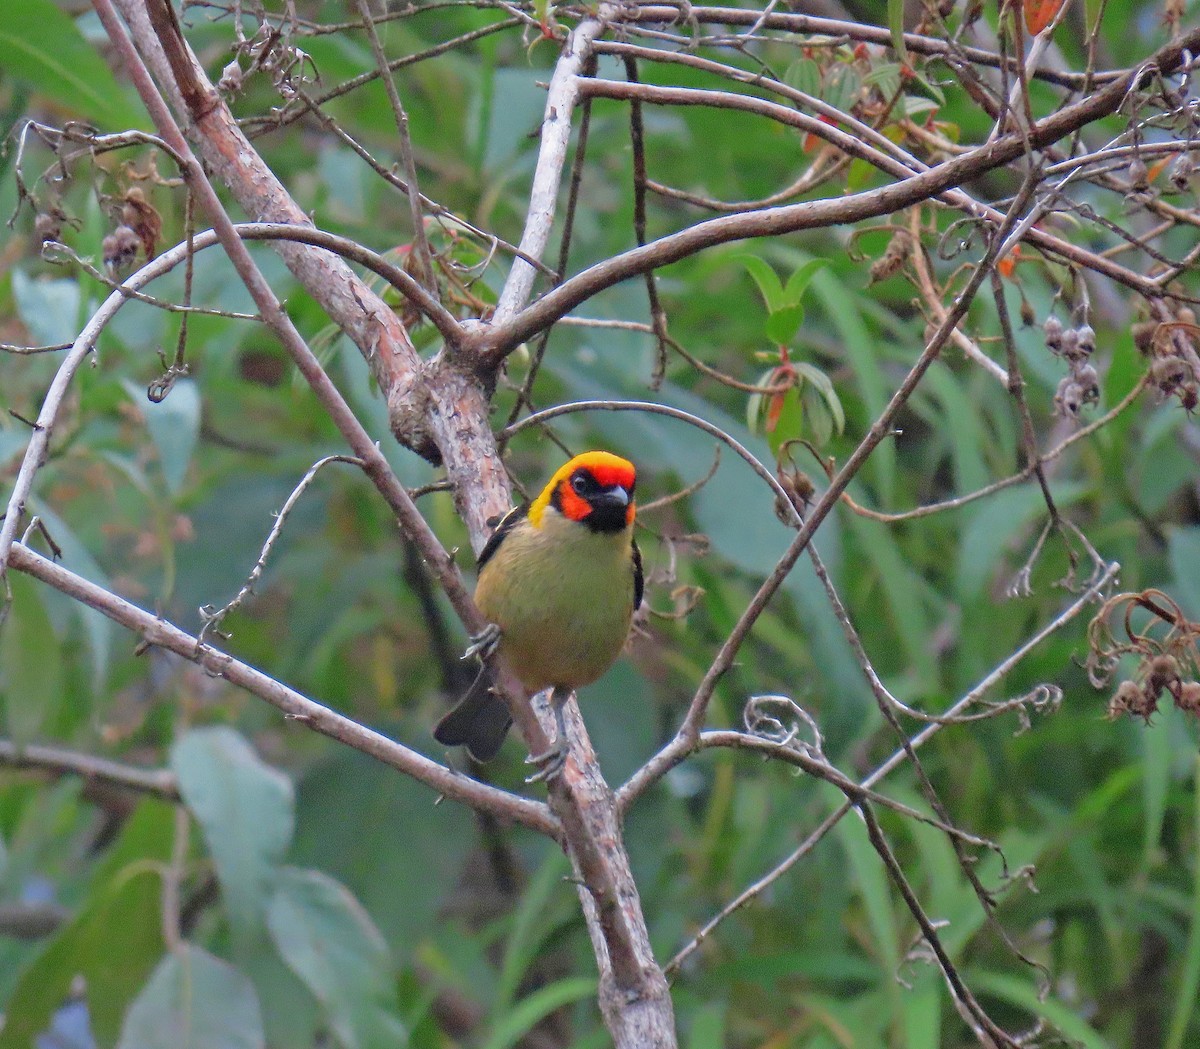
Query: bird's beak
x,y
616,496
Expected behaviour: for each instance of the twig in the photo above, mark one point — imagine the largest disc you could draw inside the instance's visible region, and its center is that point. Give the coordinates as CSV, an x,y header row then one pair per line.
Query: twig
x,y
58,761
637,783
420,241
296,707
214,617
556,134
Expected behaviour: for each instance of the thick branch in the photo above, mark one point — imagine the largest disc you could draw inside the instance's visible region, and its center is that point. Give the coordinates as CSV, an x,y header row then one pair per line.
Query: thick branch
x,y
502,338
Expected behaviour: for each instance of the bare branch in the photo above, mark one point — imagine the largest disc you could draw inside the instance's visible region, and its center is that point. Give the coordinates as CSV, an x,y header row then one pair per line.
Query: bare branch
x,y
296,707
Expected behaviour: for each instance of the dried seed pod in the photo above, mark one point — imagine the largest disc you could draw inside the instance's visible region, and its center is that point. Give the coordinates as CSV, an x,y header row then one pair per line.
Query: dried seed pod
x,y
1088,382
1070,345
1130,699
1086,339
1068,398
1189,396
1052,330
1185,315
120,248
1181,172
1139,175
231,79
1028,317
1169,373
47,226
1188,697
889,263
1162,672
141,216
1143,335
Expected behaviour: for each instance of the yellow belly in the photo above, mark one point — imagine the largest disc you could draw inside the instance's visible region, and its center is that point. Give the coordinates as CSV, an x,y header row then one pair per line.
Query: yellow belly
x,y
563,619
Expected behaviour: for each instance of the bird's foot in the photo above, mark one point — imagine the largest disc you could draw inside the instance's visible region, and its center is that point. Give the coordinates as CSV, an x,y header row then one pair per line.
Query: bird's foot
x,y
550,763
484,643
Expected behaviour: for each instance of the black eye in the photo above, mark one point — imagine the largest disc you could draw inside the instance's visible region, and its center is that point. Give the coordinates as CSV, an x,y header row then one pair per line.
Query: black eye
x,y
580,483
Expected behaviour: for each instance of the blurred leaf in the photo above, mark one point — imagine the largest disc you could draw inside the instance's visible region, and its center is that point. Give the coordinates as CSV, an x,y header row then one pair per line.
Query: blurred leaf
x,y
327,940
194,1001
41,45
842,86
1024,994
895,10
804,75
344,806
113,942
1184,547
31,663
289,1010
47,306
99,629
1188,987
873,887
70,1028
245,809
708,1028
530,927
174,426
1156,779
829,395
537,1006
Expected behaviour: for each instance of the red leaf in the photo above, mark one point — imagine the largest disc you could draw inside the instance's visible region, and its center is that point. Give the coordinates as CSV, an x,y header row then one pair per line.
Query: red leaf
x,y
1007,264
775,410
810,139
1040,13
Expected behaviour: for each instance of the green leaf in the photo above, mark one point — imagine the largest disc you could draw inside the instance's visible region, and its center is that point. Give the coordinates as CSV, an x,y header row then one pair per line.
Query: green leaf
x,y
801,277
1189,980
99,629
42,46
194,1001
47,306
1023,993
1184,548
708,1027
896,25
825,386
327,939
342,804
246,810
842,87
767,280
872,884
31,663
537,1006
804,75
174,426
783,324
113,942
530,927
886,78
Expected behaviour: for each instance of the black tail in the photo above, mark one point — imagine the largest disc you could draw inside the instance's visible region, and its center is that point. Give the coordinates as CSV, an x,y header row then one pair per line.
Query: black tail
x,y
480,720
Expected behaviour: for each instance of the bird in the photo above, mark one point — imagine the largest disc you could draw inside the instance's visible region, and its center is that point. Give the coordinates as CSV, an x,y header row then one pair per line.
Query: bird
x,y
559,580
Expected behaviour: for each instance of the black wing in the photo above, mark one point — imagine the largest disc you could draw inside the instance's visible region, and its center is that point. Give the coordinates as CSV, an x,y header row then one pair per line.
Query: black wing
x,y
639,579
507,523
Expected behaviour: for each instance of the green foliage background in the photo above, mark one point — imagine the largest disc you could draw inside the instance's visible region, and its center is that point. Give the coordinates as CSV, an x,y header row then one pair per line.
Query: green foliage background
x,y
347,906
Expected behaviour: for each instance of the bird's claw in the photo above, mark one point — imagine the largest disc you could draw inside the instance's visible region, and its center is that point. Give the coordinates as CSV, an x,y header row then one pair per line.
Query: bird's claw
x,y
550,763
484,643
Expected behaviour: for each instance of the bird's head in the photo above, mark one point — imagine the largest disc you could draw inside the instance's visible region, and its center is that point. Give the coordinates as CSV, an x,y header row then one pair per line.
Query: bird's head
x,y
595,489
